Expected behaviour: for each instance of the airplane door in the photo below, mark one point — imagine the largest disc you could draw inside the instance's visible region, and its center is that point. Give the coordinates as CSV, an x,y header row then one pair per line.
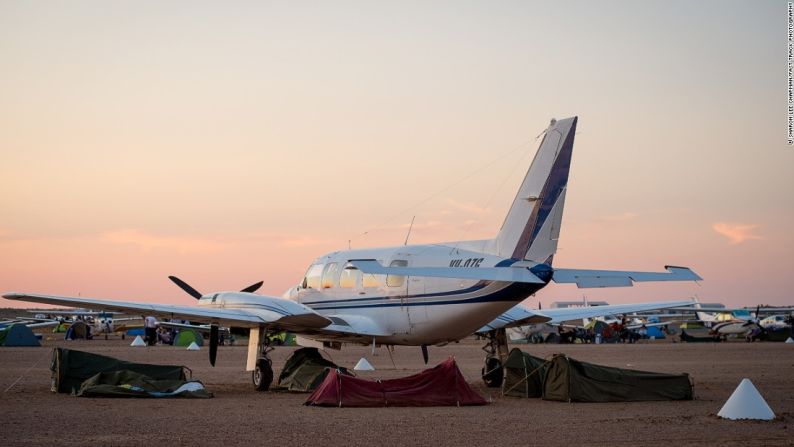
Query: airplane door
x,y
398,288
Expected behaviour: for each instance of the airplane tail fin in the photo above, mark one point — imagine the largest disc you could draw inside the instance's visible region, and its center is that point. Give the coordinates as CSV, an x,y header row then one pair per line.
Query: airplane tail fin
x,y
705,317
532,226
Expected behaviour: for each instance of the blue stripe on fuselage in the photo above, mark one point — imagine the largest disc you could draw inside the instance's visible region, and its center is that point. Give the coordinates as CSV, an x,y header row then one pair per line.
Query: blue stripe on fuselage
x,y
473,288
515,292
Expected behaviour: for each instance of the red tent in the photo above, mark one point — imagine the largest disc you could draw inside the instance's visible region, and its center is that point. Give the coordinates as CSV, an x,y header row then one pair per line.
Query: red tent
x,y
442,385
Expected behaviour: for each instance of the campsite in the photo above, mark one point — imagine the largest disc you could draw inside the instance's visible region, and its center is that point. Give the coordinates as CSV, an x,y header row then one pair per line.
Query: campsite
x,y
238,415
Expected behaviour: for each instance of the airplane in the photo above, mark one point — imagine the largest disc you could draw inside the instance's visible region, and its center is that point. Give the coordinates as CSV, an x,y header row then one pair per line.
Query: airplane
x,y
777,321
102,322
737,321
415,295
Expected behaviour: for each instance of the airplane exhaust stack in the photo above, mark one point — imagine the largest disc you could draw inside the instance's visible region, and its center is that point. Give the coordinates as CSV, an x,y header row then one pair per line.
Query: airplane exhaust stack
x,y
193,347
746,403
138,342
363,365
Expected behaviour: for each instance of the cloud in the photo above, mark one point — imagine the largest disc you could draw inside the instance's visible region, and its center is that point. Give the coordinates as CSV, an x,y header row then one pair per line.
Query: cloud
x,y
305,242
735,232
148,242
628,215
468,207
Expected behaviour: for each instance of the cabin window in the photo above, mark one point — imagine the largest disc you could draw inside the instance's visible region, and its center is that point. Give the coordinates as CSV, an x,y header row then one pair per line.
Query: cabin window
x,y
330,275
396,280
349,277
370,280
312,278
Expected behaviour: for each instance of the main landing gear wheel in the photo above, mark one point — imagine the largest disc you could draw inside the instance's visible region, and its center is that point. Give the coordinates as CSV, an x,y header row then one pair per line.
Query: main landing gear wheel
x,y
262,375
492,372
496,354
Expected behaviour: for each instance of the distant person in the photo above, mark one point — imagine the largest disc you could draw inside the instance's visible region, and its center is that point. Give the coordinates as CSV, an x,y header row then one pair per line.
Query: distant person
x,y
164,336
150,328
643,331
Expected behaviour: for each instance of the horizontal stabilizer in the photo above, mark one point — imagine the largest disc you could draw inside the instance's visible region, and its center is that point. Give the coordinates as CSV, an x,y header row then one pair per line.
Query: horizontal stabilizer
x,y
613,278
510,274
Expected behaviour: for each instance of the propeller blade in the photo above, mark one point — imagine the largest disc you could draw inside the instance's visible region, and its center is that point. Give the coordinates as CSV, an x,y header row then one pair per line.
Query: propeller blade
x,y
213,343
424,353
186,287
253,287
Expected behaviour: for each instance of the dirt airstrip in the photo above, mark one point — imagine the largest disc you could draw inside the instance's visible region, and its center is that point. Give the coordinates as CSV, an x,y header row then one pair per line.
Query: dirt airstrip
x,y
32,415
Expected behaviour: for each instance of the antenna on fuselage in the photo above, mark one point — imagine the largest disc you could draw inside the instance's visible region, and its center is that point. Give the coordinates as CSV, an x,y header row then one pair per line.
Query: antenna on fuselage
x,y
409,230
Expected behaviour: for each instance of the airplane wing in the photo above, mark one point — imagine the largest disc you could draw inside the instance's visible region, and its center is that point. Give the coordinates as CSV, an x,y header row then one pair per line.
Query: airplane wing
x,y
763,310
517,315
274,312
194,327
512,317
613,278
31,323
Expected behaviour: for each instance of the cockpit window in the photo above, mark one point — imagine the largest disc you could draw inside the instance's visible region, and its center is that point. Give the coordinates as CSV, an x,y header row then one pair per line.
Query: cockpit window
x,y
313,275
396,280
330,275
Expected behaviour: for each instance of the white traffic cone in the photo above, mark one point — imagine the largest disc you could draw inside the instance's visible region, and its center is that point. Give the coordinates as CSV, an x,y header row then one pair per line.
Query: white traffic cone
x,y
746,403
138,341
790,340
364,365
193,346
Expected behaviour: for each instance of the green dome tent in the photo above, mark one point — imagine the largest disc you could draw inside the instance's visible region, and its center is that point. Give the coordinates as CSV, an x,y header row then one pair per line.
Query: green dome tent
x,y
18,335
78,330
523,374
187,336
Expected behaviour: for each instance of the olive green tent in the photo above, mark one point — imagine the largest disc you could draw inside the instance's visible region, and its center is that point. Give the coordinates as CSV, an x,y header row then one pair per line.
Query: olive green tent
x,y
126,383
71,368
78,330
304,370
523,374
187,336
574,381
18,334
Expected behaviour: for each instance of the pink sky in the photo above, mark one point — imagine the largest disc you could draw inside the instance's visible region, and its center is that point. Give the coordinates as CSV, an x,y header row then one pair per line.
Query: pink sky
x,y
231,145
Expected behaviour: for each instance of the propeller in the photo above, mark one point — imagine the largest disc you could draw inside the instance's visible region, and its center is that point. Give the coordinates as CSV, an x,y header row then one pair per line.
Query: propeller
x,y
213,327
213,343
197,295
253,287
763,333
186,287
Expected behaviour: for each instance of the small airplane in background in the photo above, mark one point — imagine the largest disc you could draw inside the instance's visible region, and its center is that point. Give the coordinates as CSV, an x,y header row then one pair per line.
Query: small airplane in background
x,y
737,321
416,295
101,322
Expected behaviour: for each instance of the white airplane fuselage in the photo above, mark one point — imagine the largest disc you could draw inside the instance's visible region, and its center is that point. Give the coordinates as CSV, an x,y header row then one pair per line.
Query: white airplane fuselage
x,y
410,310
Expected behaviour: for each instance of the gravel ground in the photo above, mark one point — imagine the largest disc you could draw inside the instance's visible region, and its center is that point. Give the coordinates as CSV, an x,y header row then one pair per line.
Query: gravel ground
x,y
32,415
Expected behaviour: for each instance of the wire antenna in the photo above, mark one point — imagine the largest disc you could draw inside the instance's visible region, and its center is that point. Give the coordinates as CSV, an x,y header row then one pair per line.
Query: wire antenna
x,y
409,230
